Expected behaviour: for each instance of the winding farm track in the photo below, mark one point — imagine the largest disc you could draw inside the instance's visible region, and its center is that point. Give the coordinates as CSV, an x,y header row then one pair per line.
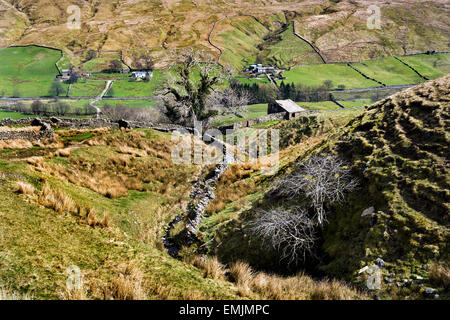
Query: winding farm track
x,y
100,97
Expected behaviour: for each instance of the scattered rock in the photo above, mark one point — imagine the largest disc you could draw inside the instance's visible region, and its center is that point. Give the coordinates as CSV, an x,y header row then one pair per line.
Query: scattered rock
x,y
368,212
430,290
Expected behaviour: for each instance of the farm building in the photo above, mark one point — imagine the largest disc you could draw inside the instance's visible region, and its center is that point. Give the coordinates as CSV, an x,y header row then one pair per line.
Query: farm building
x,y
142,74
290,107
64,76
260,69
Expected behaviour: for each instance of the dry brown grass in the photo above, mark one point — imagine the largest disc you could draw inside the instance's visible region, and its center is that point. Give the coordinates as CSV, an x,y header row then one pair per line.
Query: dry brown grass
x,y
63,152
210,265
128,285
56,200
24,188
440,275
300,287
15,144
139,160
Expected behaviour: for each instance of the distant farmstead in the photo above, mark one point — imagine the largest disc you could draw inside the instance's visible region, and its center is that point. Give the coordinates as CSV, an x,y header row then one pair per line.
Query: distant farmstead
x,y
291,109
142,74
64,76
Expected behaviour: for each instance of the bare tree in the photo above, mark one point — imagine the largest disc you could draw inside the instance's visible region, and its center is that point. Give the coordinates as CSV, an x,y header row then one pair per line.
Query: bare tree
x,y
229,100
121,112
290,233
322,179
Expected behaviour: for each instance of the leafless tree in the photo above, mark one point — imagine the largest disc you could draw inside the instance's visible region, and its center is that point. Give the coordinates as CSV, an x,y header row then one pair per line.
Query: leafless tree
x,y
229,100
290,233
121,112
322,179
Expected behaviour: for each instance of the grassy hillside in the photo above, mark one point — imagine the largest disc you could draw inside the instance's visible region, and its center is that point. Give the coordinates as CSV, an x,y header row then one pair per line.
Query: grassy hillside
x,y
27,71
239,37
287,50
115,245
398,150
338,28
430,66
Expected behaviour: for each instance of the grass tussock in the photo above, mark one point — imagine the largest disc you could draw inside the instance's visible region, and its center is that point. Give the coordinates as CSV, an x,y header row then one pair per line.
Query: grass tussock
x,y
128,285
440,275
24,188
15,144
210,265
56,200
60,202
253,284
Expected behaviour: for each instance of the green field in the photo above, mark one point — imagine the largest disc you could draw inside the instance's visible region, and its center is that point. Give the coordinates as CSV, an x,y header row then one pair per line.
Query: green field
x,y
315,75
14,115
87,88
290,51
27,71
430,66
389,71
251,81
322,105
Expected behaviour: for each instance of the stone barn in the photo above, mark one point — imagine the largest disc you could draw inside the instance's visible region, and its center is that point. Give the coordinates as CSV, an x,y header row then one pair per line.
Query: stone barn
x,y
291,109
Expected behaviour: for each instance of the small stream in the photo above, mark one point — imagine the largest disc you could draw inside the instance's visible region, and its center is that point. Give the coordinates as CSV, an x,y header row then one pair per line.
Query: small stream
x,y
201,195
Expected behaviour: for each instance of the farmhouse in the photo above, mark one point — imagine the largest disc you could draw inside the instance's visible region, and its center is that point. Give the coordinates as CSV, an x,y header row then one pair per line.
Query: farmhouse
x,y
64,76
142,74
291,109
260,69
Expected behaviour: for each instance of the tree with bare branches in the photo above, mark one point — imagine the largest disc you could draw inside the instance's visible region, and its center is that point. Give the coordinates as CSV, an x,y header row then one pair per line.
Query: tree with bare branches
x,y
290,233
323,180
229,100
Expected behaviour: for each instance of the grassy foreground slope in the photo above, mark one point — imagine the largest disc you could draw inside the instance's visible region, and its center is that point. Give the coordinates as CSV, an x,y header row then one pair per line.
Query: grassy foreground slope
x,y
79,206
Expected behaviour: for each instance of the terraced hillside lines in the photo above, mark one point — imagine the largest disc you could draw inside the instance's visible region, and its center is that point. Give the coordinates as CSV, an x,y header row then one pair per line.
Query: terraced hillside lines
x,y
27,71
315,75
388,71
430,66
398,150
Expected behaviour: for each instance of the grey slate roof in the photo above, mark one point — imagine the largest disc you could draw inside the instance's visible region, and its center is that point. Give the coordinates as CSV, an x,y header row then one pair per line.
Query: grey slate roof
x,y
289,105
